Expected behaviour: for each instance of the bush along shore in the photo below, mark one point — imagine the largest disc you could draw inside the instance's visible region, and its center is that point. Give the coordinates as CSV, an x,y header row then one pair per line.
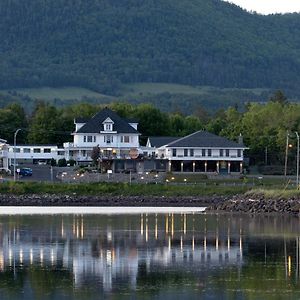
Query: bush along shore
x,y
260,202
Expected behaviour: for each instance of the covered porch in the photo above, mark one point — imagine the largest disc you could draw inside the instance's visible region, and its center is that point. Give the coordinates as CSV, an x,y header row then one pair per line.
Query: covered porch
x,y
205,166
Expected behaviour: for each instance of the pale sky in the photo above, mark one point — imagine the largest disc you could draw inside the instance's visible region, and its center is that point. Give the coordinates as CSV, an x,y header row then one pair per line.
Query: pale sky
x,y
268,6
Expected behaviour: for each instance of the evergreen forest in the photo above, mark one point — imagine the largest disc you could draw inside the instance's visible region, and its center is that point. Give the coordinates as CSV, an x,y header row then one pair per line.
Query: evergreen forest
x,y
102,44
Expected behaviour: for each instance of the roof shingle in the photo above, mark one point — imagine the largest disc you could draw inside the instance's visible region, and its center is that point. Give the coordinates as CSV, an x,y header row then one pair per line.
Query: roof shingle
x,y
204,139
158,141
94,125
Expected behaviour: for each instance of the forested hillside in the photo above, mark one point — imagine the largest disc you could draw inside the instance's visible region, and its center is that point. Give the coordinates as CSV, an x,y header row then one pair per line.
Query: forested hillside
x,y
99,44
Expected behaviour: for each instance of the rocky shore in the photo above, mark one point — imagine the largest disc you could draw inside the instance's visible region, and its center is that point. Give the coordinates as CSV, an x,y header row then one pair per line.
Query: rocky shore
x,y
76,200
257,205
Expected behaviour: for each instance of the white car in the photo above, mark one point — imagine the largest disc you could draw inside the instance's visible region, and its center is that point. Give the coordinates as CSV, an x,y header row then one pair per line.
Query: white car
x,y
42,162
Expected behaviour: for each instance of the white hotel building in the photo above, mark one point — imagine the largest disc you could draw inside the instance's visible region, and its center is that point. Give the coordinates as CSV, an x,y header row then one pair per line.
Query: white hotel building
x,y
118,141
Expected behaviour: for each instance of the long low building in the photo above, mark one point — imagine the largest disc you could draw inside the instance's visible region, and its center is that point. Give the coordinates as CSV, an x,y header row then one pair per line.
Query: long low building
x,y
203,152
117,142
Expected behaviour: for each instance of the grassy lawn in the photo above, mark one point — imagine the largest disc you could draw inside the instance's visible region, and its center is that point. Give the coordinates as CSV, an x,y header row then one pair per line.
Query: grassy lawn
x,y
66,93
118,189
202,188
220,180
158,88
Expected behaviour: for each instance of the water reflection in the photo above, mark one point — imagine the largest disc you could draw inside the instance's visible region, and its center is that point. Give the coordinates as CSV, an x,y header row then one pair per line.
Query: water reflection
x,y
208,255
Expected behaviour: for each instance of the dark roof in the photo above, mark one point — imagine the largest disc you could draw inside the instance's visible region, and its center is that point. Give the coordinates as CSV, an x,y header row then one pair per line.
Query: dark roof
x,y
158,141
35,145
94,125
81,120
204,139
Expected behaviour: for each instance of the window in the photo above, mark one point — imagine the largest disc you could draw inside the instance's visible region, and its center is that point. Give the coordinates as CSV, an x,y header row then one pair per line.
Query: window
x,y
60,152
203,152
108,139
94,139
89,138
221,152
239,153
174,152
185,152
191,152
84,139
26,150
17,150
47,150
125,139
227,152
209,152
108,127
36,150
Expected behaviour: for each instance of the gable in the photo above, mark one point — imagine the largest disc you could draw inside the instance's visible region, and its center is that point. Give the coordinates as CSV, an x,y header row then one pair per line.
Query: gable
x,y
108,120
96,123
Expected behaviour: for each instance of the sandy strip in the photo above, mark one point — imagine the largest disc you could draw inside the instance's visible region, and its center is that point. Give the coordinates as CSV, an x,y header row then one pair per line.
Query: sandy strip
x,y
58,210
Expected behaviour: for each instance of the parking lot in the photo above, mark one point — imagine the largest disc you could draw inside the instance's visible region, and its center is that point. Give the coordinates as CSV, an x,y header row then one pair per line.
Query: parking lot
x,y
40,173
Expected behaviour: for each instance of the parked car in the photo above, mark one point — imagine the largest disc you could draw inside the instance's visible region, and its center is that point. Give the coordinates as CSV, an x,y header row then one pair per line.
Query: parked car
x,y
25,172
42,162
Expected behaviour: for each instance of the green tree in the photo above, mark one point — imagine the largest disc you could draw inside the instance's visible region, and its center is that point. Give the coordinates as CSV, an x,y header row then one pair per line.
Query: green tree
x,y
12,118
177,124
279,97
151,121
45,125
95,155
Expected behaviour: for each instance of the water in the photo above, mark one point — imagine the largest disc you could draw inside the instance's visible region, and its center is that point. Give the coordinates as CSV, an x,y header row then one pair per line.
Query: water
x,y
149,256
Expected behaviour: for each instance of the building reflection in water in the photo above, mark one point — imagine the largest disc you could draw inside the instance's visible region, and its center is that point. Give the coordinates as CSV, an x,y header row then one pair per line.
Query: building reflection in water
x,y
97,248
108,249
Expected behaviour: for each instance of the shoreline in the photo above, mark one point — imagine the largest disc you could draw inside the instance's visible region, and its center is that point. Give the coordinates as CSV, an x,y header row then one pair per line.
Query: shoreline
x,y
108,201
257,204
248,203
96,210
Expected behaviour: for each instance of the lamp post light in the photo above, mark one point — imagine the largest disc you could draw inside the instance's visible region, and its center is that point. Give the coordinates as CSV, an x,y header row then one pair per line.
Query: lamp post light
x,y
15,141
288,146
286,153
297,177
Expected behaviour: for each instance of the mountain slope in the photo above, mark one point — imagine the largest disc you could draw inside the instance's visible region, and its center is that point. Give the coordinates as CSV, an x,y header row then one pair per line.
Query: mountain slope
x,y
100,43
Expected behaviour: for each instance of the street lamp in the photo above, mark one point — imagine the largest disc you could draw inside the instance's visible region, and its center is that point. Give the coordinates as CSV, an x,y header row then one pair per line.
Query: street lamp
x,y
15,141
286,153
288,145
297,178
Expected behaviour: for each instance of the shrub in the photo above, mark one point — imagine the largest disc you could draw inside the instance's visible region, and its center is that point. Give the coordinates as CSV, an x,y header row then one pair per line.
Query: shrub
x,y
71,162
62,162
53,162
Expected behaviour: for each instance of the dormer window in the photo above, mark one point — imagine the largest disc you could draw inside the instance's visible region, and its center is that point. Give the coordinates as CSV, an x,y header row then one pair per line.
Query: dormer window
x,y
108,127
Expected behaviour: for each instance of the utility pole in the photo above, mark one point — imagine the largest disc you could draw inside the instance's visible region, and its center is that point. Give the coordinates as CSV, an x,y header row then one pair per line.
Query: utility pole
x,y
297,177
286,153
15,142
